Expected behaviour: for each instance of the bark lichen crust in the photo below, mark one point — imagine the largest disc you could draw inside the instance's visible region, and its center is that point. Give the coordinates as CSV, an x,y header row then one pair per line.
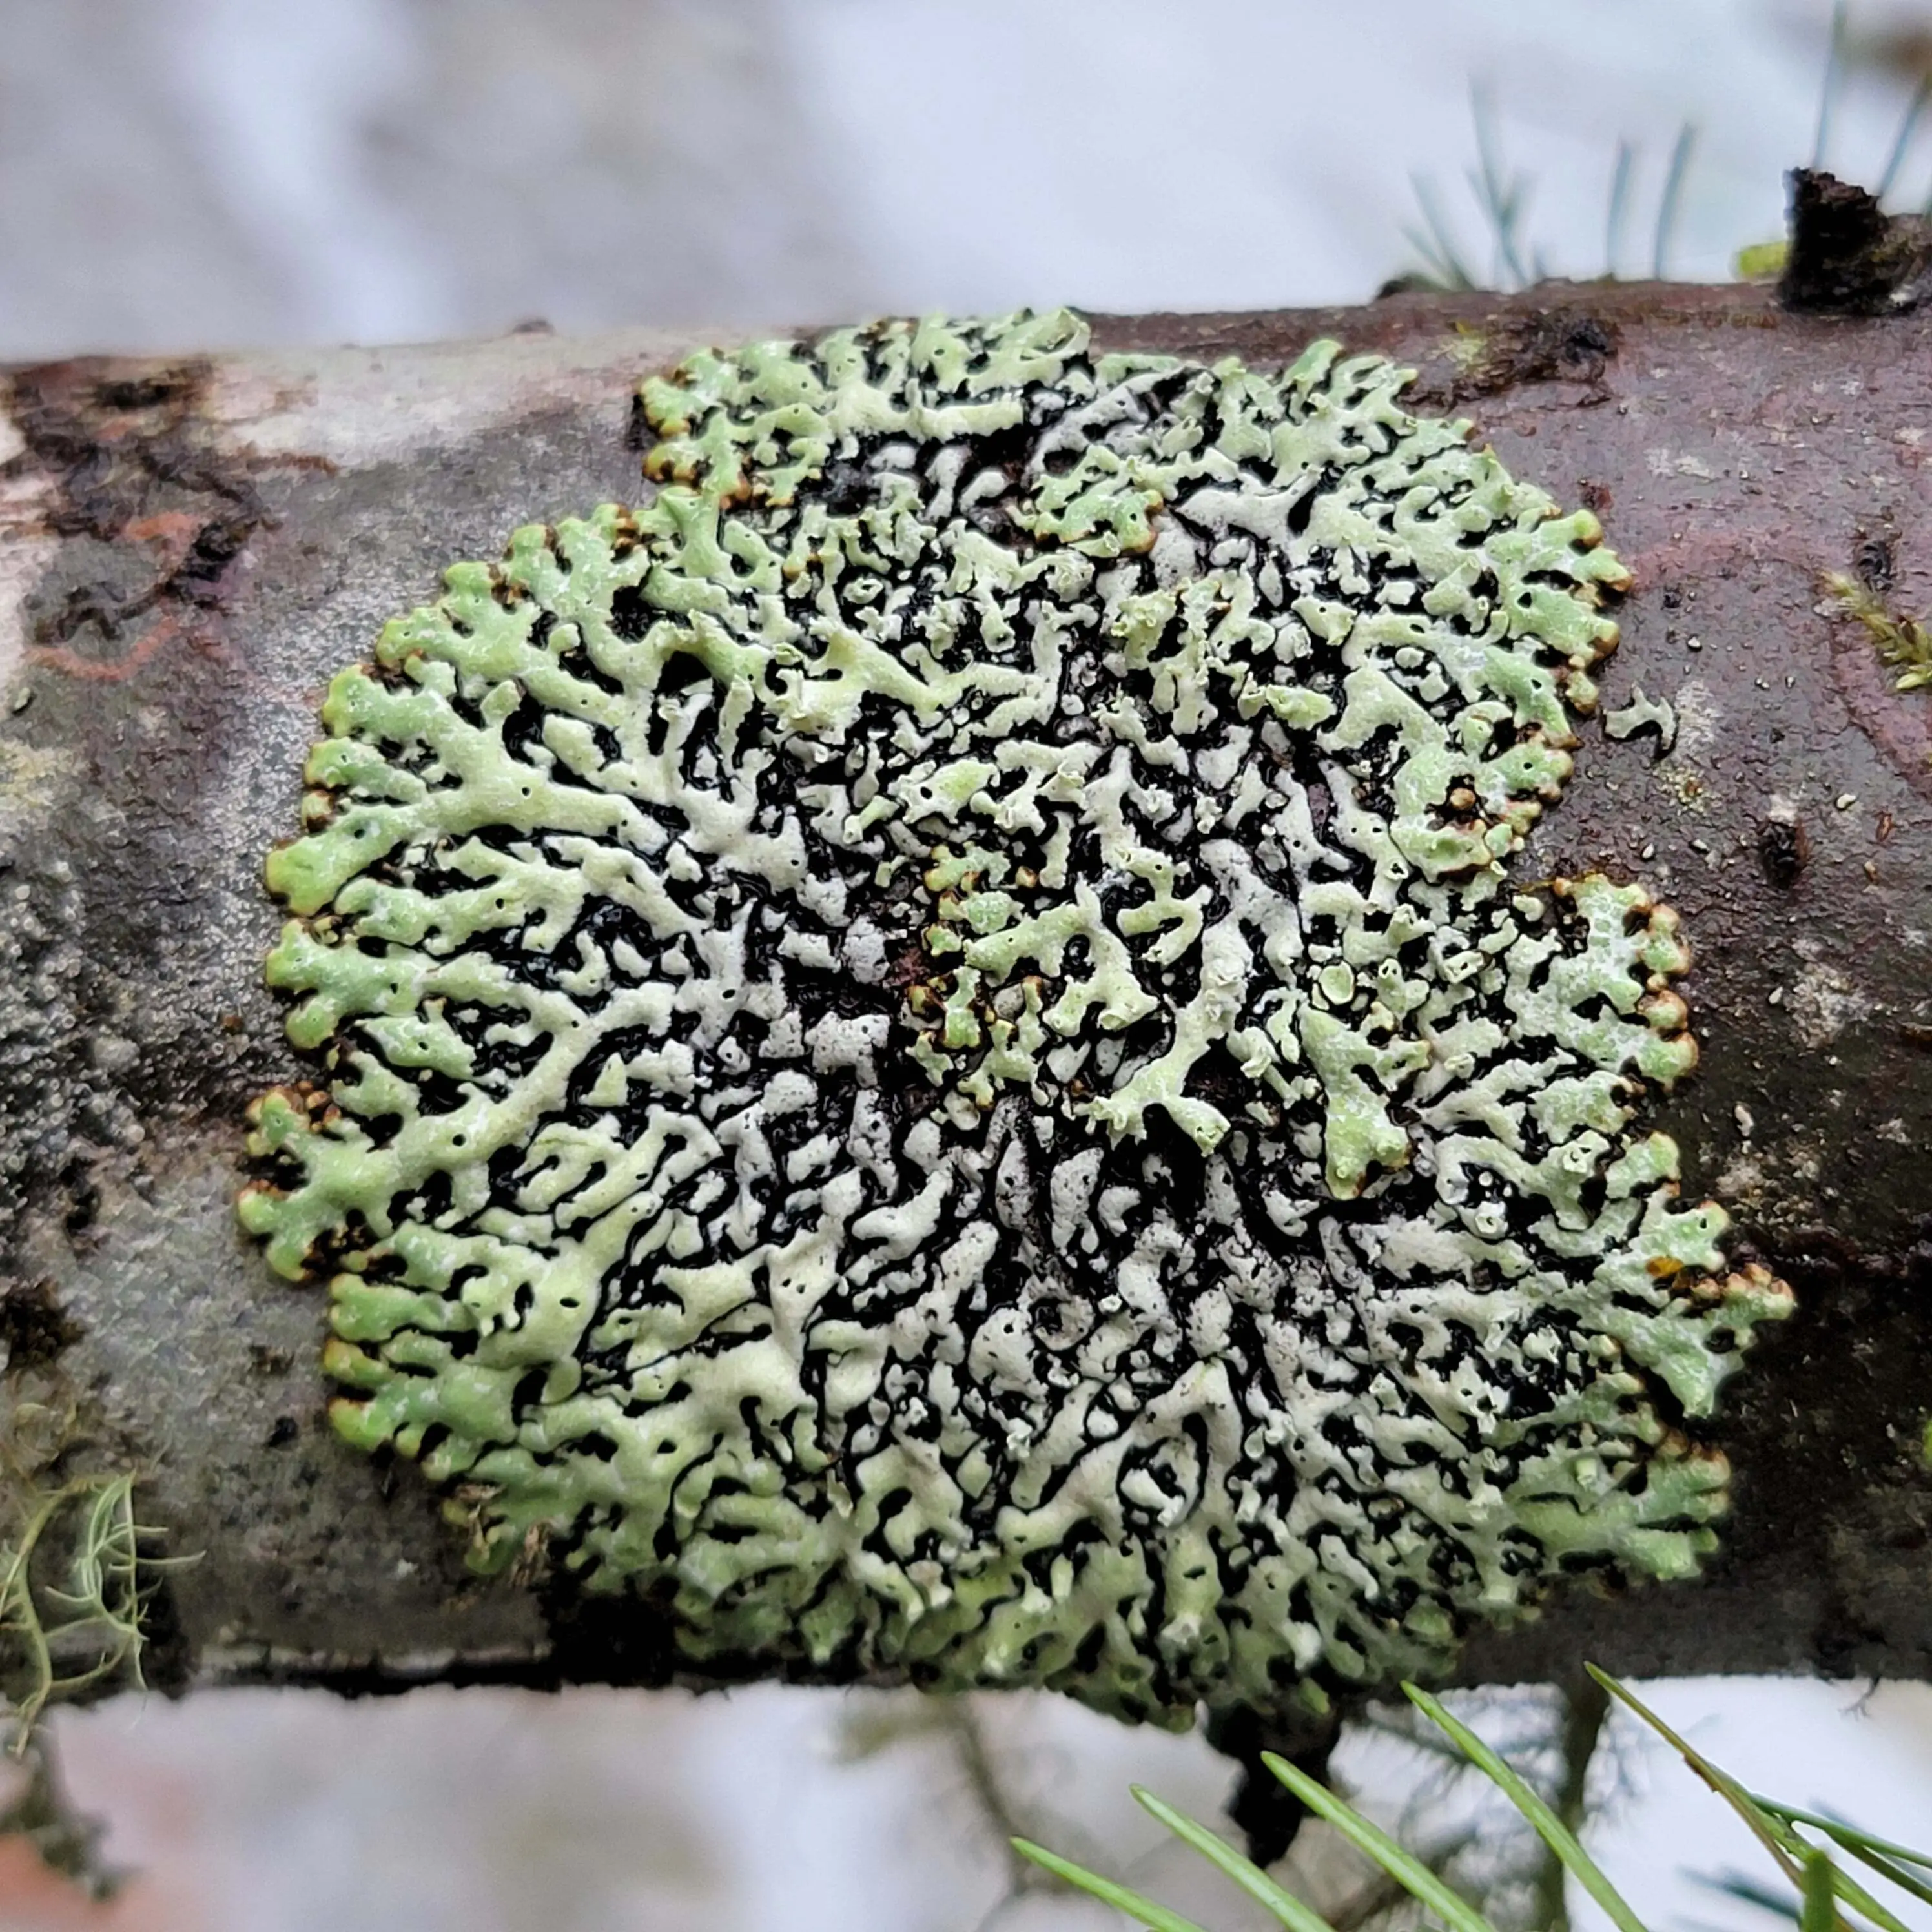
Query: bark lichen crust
x,y
932,1056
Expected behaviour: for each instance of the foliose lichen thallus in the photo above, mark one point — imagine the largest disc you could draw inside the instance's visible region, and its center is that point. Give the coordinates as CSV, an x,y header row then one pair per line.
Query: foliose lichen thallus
x,y
930,1051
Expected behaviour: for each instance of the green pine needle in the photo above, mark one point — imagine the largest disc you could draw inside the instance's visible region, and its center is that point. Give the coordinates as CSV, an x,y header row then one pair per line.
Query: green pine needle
x,y
1144,1911
1819,1888
1293,1912
1819,1913
1849,1836
1409,1872
1517,1789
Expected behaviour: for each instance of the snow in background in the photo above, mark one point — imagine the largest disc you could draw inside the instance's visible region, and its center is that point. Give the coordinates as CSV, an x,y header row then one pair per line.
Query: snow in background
x,y
196,173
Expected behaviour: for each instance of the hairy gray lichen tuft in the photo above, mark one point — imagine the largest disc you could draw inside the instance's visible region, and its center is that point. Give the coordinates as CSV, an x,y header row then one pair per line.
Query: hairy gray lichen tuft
x,y
931,1053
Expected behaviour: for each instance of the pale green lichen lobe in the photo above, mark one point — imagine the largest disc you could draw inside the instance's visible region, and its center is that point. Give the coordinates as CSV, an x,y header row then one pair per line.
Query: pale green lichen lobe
x,y
931,1052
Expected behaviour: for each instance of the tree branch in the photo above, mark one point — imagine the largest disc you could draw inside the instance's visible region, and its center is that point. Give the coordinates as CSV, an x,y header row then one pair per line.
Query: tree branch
x,y
188,549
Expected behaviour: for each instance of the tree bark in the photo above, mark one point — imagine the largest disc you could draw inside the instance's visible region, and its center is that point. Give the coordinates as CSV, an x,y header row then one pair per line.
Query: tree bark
x,y
188,548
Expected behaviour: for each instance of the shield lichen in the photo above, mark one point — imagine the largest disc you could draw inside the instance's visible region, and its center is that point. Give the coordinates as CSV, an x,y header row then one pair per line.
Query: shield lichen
x,y
932,1055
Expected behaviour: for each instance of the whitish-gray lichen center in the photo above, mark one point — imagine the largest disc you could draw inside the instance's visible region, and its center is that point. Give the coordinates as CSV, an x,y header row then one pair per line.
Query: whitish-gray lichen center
x,y
931,1045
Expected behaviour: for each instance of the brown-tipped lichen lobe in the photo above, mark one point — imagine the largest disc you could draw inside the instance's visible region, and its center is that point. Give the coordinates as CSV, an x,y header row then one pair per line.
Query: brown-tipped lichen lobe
x,y
932,1050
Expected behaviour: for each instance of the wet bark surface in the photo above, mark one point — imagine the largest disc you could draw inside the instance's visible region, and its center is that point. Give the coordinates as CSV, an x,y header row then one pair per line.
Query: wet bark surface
x,y
189,549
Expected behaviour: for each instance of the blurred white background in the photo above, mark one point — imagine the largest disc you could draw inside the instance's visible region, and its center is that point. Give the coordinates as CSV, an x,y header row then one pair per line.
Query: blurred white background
x,y
196,173
190,174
